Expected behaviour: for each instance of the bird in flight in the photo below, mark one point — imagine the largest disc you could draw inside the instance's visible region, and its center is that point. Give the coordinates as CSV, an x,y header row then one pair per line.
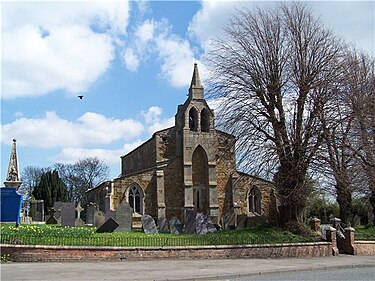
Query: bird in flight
x,y
80,97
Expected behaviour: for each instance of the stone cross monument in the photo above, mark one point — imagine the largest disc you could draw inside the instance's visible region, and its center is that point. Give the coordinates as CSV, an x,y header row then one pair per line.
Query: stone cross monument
x,y
13,177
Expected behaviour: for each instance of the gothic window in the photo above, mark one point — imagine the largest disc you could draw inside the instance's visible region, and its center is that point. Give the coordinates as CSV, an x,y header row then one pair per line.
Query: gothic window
x,y
254,200
135,199
205,120
193,119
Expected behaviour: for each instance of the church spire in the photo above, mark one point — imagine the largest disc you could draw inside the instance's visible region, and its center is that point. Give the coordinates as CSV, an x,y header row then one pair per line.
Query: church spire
x,y
13,178
196,88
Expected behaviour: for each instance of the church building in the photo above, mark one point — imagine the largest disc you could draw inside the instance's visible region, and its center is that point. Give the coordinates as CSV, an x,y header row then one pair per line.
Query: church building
x,y
190,166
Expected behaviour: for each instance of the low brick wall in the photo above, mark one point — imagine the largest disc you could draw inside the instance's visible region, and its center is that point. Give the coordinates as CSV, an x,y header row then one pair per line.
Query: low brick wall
x,y
365,248
22,253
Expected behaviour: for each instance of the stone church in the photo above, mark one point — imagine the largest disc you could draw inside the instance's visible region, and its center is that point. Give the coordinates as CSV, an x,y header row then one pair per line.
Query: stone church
x,y
192,166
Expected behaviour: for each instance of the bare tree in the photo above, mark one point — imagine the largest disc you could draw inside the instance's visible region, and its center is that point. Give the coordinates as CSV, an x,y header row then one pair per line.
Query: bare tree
x,y
274,71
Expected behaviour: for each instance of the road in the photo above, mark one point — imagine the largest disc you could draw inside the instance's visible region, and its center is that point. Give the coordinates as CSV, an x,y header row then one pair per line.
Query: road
x,y
176,269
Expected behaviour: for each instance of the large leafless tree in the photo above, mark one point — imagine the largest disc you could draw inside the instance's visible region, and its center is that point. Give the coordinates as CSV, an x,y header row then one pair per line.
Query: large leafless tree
x,y
274,71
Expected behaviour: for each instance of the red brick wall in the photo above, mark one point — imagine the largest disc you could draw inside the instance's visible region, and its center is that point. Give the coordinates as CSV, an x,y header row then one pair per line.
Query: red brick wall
x,y
365,248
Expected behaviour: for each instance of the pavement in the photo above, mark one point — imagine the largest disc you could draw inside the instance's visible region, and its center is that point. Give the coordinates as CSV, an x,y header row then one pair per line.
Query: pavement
x,y
180,270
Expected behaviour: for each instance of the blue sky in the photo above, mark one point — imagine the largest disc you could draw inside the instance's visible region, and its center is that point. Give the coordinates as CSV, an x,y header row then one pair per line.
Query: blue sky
x,y
132,61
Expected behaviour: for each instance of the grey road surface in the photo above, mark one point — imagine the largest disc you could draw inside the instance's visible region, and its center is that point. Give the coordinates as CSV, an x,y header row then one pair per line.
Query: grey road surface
x,y
174,269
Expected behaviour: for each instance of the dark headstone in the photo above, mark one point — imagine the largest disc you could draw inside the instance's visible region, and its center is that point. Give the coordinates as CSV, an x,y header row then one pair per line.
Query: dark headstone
x,y
99,218
57,208
175,225
229,221
204,224
37,210
190,221
109,226
148,224
68,214
241,222
51,220
163,225
90,211
124,217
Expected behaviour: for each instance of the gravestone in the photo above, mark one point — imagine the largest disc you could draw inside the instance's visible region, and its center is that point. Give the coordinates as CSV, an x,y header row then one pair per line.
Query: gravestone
x,y
57,207
99,218
124,217
163,225
175,225
37,210
229,221
110,214
148,224
51,220
356,221
79,221
204,224
190,221
68,214
241,222
90,211
109,226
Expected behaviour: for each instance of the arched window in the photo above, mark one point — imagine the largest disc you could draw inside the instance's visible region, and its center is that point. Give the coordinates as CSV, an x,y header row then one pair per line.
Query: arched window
x,y
255,199
193,119
135,199
205,120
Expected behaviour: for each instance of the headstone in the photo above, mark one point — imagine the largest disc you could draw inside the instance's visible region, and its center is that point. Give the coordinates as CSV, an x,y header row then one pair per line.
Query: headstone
x,y
204,224
99,218
148,224
78,220
109,226
190,221
356,221
241,222
51,220
163,225
68,214
37,210
90,211
124,217
110,214
229,221
57,208
175,225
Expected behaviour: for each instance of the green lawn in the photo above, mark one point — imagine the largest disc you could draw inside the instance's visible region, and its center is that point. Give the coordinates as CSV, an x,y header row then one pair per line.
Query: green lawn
x,y
86,236
365,232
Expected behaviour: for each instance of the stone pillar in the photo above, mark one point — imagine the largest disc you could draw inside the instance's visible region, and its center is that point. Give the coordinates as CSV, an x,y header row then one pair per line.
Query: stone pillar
x,y
335,222
349,241
160,195
331,237
315,224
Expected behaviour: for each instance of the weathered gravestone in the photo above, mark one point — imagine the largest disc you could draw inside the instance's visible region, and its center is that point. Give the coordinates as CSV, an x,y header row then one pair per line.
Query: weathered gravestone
x,y
356,221
175,225
68,214
148,224
99,218
162,225
90,211
241,222
79,221
124,217
109,226
204,224
109,214
51,220
229,221
37,210
57,207
190,221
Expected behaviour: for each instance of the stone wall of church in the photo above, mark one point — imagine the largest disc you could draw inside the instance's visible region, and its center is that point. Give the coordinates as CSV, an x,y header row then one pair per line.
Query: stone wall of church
x,y
140,159
145,180
98,194
225,167
268,201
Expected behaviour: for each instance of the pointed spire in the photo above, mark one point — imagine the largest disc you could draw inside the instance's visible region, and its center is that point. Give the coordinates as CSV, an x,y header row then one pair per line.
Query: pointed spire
x,y
196,88
13,177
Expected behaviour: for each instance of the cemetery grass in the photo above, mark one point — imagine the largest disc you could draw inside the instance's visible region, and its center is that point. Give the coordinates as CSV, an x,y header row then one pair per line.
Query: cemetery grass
x,y
86,236
365,232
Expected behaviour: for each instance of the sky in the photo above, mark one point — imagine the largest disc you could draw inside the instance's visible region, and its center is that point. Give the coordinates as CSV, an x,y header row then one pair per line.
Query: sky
x,y
132,62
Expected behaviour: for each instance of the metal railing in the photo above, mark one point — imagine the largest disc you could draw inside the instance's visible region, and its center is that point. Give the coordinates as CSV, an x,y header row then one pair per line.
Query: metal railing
x,y
146,241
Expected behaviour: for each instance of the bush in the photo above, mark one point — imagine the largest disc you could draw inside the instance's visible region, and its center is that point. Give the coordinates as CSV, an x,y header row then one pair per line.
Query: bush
x,y
298,228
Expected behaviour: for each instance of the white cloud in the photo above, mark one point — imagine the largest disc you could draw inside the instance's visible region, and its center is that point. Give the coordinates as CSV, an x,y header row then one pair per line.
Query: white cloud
x,y
110,157
154,122
52,131
48,46
131,59
145,32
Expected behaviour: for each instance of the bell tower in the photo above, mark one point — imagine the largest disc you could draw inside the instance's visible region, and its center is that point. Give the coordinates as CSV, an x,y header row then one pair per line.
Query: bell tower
x,y
197,140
